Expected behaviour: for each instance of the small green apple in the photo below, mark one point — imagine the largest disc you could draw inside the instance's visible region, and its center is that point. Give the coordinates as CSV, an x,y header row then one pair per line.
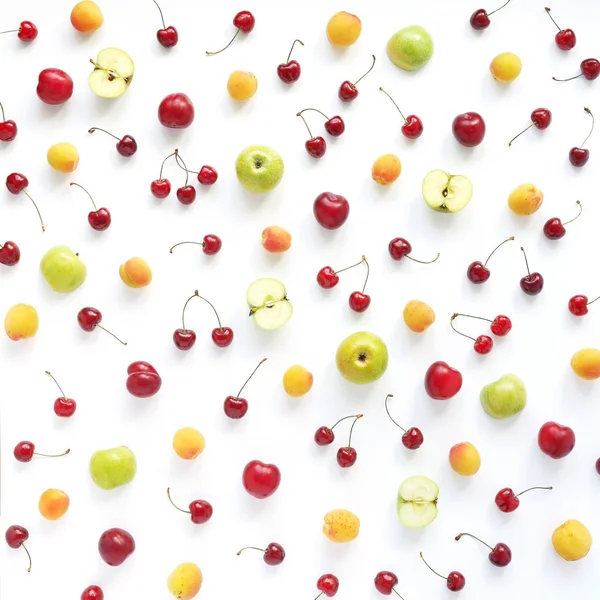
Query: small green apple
x,y
446,193
113,467
259,168
362,357
268,303
416,503
410,48
63,269
112,74
504,398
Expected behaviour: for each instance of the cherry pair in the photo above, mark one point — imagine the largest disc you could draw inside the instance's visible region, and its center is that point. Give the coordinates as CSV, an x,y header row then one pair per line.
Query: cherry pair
x,y
358,301
236,407
483,344
334,126
346,455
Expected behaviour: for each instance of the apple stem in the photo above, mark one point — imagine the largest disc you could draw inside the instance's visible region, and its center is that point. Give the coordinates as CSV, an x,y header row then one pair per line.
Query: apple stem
x,y
387,410
251,548
292,48
184,307
177,159
569,79
161,14
164,161
587,110
576,216
214,310
370,69
367,277
89,195
249,378
67,451
179,244
548,13
111,333
423,262
475,538
343,419
356,418
28,556
520,134
316,110
526,262
393,102
473,317
36,208
459,333
497,9
510,239
2,110
57,384
362,260
103,131
225,48
10,31
112,74
532,488
175,505
312,137
430,568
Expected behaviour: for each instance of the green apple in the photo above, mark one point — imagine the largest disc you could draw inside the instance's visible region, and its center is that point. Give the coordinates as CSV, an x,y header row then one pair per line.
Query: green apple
x,y
269,306
417,502
113,467
112,74
63,269
362,357
410,48
259,168
504,398
446,193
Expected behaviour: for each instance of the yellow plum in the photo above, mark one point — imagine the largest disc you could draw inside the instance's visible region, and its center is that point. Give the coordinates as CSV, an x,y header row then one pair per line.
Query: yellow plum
x,y
341,526
135,272
343,29
63,157
586,363
242,85
525,199
418,316
386,169
185,581
21,322
297,381
464,459
188,443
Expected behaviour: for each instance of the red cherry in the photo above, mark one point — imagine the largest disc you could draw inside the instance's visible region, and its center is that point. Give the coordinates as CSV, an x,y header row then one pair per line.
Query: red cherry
x,y
15,537
16,183
261,480
555,440
478,272
236,407
273,554
115,546
507,501
598,466
25,451
99,219
167,36
54,86
579,156
126,146
8,129
385,582
200,511
331,210
328,278
442,381
244,21
93,592
400,248
412,127
501,325
184,339
554,228
483,344
325,436
455,581
9,254
590,69
315,146
347,455
186,194
500,555
160,187
565,38
335,126
176,111
89,318
578,305
27,31
207,175
143,380
289,72
479,19
328,585
348,91
469,129
359,301
540,119
63,407
210,243
412,438
533,283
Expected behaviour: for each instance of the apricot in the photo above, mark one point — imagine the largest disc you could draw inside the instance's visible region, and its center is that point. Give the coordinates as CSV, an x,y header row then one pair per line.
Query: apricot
x,y
21,322
505,67
86,16
242,85
418,316
188,443
525,199
53,504
297,381
276,239
341,526
586,363
343,29
63,157
464,459
572,540
386,169
185,581
136,272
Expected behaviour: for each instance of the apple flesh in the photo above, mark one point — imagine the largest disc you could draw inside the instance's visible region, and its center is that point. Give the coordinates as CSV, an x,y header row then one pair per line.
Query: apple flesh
x,y
446,193
113,467
63,269
268,303
112,74
504,398
362,357
259,169
417,502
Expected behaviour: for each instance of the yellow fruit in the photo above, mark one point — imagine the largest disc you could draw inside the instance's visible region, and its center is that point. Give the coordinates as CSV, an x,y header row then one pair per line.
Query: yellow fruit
x,y
464,459
341,526
572,540
86,16
386,169
188,443
418,316
21,321
135,272
586,363
297,381
525,199
63,157
185,581
506,67
53,504
343,29
242,85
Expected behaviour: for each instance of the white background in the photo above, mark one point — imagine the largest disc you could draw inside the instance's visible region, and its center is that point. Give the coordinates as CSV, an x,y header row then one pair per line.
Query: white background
x,y
92,367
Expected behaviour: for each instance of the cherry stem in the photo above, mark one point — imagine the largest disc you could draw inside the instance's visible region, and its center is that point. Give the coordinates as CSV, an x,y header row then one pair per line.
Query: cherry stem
x,y
526,263
180,243
430,568
423,262
67,451
520,134
28,556
576,216
103,131
459,333
362,260
316,110
592,301
472,317
569,79
57,384
161,14
356,418
89,195
397,594
497,9
312,137
251,548
532,488
548,13
393,102
367,277
11,31
292,48
111,333
587,110
475,538
36,208
2,110
163,163
317,598
177,159
184,307
221,50
387,410
214,310
182,166
175,505
249,378
370,69
510,239
343,419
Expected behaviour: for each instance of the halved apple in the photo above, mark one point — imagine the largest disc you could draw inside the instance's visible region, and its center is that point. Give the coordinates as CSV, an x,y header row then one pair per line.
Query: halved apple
x,y
112,74
417,502
268,303
446,193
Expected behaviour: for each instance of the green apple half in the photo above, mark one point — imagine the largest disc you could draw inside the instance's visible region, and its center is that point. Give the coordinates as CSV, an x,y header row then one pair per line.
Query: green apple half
x,y
259,168
504,398
446,193
269,306
112,74
63,269
417,502
362,357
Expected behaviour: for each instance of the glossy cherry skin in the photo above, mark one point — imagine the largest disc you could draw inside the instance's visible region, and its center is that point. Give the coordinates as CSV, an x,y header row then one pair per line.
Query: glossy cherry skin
x,y
160,188
359,302
27,31
506,500
245,21
385,582
590,68
274,554
261,480
9,254
555,440
347,92
412,438
324,436
54,86
207,175
186,194
598,466
93,592
469,129
477,272
8,131
412,128
553,229
327,278
100,219
483,344
532,284
399,248
335,126
541,118
331,210
143,380
501,555
346,457
222,336
479,19
65,407
16,183
235,408
127,146
115,546
167,37
200,511
24,451
211,244
184,339
328,584
565,39
456,581
501,325
16,536
88,318
579,156
176,111
578,305
289,72
316,147
442,381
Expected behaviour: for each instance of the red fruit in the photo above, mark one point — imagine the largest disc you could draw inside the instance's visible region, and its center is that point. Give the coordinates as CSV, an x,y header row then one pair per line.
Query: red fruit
x,y
412,438
565,38
200,511
93,592
244,21
167,36
9,254
385,582
590,69
442,381
99,219
331,210
413,126
540,119
176,111
54,86
500,555
261,480
455,581
25,451
469,129
15,537
8,129
501,325
273,554
478,272
315,146
325,436
507,501
556,440
210,243
348,91
143,380
289,72
359,301
579,156
27,31
554,229
328,278
578,305
236,407
126,146
207,175
328,585
63,407
115,546
483,344
533,283
186,194
400,248
89,318
17,183
347,455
